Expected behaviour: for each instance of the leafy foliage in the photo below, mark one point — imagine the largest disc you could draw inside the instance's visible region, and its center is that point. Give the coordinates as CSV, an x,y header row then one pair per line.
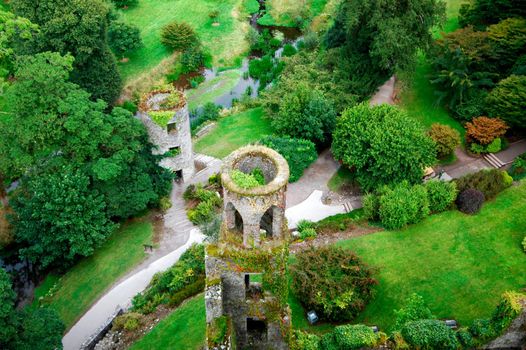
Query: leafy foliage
x,y
507,100
13,29
415,309
247,181
192,59
300,154
332,281
350,337
518,168
78,27
205,204
403,205
161,118
470,201
123,38
179,36
481,13
58,218
304,341
382,145
429,334
125,3
189,269
484,130
446,138
440,194
489,182
209,112
7,303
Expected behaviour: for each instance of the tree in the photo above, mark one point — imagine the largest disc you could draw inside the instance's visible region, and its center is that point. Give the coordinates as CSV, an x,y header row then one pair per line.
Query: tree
x,y
178,36
382,145
508,40
508,101
123,38
7,304
482,13
78,27
125,3
304,113
383,36
484,130
40,328
13,30
58,217
446,139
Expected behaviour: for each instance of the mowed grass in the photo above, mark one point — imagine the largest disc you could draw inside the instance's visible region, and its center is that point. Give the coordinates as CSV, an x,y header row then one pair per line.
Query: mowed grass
x,y
225,41
210,90
284,12
233,132
83,284
184,329
342,178
460,264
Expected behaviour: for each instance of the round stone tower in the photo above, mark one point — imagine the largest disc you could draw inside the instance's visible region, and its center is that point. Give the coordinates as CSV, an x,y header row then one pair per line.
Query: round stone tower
x,y
165,115
257,212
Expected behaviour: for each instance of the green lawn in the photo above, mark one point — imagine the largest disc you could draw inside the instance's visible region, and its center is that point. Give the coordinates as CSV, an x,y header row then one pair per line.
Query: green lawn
x,y
184,329
209,91
80,287
460,264
284,12
343,177
233,132
225,41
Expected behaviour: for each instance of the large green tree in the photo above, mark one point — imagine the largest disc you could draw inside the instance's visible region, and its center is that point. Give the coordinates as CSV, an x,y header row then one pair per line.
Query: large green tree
x,y
78,27
508,101
7,302
382,145
58,217
481,13
378,37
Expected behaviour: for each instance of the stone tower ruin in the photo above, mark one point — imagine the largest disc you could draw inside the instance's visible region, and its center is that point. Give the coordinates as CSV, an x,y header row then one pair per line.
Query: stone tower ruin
x,y
165,115
246,270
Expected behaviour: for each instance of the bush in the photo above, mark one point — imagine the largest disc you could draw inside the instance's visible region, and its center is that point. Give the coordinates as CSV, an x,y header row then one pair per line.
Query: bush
x,y
192,59
125,3
289,50
490,182
371,207
524,244
429,334
403,205
299,153
184,279
465,338
217,331
446,139
178,36
246,181
506,311
129,321
440,194
165,204
481,328
414,310
508,101
332,281
123,38
518,168
470,201
209,112
307,233
484,130
203,213
350,337
304,341
130,106
495,146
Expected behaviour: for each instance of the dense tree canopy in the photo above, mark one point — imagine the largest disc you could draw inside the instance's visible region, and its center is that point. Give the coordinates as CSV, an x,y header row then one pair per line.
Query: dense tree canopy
x,y
481,13
382,145
378,37
508,101
7,302
123,38
78,27
13,30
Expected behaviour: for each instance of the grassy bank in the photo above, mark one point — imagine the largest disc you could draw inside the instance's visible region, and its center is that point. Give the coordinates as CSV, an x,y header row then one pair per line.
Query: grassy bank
x,y
83,284
185,329
233,132
224,36
210,90
285,12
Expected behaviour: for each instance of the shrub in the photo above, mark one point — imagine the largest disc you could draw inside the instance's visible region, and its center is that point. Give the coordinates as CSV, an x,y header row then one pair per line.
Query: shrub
x,y
209,112
123,38
490,182
307,233
289,50
481,328
129,321
161,118
192,59
446,139
484,130
403,205
470,201
178,36
184,279
204,212
507,310
495,146
415,309
352,337
429,334
508,101
477,149
217,331
258,67
465,338
304,341
371,207
440,194
299,153
518,168
125,3
332,281
246,181
305,225
130,106
165,204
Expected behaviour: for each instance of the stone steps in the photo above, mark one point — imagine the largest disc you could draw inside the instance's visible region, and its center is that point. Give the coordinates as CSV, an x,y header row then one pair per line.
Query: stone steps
x,y
493,160
348,207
